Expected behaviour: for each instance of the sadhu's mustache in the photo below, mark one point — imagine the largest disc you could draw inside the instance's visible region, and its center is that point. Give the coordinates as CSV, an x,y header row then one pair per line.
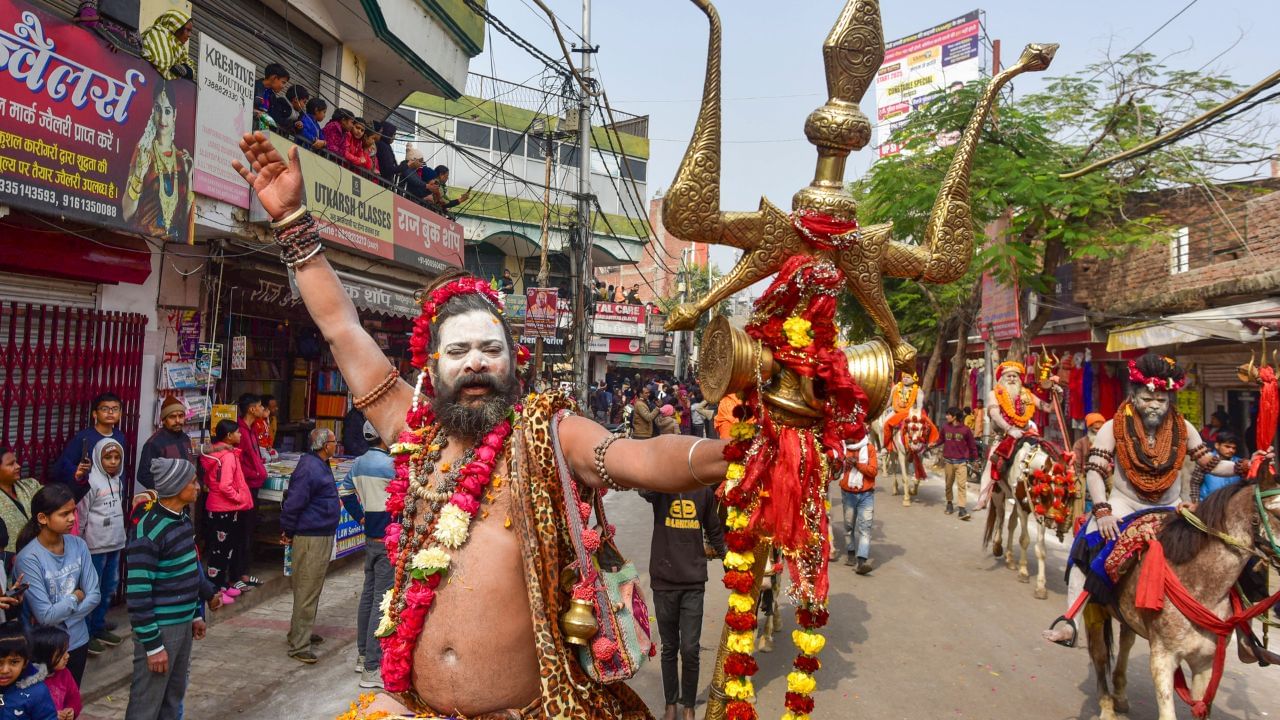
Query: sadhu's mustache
x,y
478,381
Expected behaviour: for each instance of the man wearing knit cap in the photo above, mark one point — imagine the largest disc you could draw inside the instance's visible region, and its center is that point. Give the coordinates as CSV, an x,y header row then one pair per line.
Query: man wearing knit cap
x,y
164,592
168,441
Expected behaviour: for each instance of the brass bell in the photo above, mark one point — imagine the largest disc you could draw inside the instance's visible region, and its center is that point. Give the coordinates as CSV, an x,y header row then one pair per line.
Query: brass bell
x,y
578,623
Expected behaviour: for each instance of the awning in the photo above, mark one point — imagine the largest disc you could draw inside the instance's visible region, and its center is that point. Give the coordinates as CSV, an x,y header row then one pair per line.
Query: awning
x,y
653,362
1247,322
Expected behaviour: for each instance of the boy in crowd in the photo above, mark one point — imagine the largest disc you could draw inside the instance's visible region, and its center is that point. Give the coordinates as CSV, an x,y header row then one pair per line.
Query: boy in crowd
x,y
678,574
74,464
364,495
958,449
270,107
165,592
311,119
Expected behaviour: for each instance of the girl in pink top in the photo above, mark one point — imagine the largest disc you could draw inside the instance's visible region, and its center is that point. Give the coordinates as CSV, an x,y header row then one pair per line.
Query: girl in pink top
x,y
225,518
49,650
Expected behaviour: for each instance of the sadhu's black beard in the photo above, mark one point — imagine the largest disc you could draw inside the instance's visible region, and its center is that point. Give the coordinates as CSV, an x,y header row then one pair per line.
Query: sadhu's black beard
x,y
474,419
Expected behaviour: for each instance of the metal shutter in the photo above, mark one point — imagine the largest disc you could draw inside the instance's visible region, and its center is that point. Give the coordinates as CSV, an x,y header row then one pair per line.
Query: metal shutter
x,y
261,35
32,289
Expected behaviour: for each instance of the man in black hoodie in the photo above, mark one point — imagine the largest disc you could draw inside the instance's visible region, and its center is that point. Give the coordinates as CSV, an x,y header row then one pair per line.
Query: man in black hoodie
x,y
678,575
387,165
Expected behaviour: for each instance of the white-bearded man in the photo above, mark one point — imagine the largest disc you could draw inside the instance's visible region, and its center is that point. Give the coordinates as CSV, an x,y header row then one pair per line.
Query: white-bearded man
x,y
1010,406
490,644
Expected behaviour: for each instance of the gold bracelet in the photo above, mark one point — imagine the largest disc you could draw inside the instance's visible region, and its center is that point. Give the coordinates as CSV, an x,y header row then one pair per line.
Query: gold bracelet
x,y
374,395
289,219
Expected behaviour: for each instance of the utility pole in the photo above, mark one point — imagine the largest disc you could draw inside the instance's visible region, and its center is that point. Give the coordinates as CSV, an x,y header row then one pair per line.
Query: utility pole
x,y
581,257
543,269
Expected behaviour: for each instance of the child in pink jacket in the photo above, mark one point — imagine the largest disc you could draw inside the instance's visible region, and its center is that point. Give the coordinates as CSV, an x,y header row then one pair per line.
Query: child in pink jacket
x,y
49,650
226,503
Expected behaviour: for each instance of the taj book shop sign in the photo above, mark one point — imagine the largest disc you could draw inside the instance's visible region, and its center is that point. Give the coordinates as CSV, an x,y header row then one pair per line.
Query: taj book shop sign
x,y
91,134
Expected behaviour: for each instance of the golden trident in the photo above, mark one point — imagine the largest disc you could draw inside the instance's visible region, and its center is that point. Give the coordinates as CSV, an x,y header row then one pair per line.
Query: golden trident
x,y
852,54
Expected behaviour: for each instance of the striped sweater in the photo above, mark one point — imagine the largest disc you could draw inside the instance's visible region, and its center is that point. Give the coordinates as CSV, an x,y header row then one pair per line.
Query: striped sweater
x,y
164,585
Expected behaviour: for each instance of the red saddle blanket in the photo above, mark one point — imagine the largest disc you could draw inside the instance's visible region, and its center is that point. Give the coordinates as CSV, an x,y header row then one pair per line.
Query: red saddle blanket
x,y
1131,543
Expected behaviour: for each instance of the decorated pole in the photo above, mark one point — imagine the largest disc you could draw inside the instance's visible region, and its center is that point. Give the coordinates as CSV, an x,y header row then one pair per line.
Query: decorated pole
x,y
803,395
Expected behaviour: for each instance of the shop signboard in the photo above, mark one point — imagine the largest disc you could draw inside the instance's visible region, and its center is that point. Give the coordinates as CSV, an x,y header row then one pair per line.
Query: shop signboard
x,y
91,134
381,300
619,320
542,309
223,115
655,334
625,346
354,211
999,314
922,67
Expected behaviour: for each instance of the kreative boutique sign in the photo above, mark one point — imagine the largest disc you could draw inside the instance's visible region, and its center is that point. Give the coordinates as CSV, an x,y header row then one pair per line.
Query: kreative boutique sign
x,y
90,134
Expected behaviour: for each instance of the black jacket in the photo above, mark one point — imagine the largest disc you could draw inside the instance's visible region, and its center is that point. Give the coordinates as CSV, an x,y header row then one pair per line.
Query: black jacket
x,y
387,160
163,444
411,183
676,558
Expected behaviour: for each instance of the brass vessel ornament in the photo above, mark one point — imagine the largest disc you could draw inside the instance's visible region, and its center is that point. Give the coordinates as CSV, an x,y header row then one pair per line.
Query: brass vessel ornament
x,y
578,623
768,237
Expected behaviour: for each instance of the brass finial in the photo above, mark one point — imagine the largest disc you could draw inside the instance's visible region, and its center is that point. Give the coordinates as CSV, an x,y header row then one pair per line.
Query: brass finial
x,y
851,54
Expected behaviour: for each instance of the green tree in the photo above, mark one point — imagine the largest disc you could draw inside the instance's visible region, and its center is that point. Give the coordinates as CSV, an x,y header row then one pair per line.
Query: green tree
x,y
1046,221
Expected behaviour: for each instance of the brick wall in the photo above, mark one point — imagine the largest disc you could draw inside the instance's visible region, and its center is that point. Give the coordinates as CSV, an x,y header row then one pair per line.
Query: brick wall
x,y
1219,264
655,273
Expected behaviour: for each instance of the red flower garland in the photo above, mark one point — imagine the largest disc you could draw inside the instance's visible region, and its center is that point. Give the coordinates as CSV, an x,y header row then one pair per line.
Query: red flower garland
x,y
741,622
740,664
799,703
806,664
739,710
739,541
739,581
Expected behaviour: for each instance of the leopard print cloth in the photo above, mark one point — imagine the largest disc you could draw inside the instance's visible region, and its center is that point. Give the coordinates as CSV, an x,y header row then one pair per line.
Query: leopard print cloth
x,y
537,507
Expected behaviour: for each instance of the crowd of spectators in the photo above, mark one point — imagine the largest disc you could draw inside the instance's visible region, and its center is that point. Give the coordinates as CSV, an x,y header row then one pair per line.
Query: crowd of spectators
x,y
361,145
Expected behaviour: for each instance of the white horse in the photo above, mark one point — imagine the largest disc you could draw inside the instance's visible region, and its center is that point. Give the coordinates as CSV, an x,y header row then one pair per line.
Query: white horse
x,y
910,440
1029,455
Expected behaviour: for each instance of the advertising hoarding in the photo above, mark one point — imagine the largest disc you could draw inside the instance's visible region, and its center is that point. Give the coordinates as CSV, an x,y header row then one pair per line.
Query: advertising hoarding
x,y
89,134
224,114
921,67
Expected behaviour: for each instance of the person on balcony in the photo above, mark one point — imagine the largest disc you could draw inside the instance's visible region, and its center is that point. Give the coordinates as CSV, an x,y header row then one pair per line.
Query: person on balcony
x,y
355,153
336,132
388,168
164,45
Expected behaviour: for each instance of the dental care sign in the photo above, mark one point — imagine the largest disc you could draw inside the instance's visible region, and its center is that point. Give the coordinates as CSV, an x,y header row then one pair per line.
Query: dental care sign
x,y
89,134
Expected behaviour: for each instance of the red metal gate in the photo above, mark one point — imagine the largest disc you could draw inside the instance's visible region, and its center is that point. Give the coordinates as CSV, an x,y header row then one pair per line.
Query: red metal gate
x,y
53,361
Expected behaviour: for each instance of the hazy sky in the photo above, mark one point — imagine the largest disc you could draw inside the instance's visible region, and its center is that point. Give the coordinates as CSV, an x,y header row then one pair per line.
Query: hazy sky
x,y
653,52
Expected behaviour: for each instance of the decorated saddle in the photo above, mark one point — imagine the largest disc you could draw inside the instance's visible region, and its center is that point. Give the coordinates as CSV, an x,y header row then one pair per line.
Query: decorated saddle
x,y
1107,562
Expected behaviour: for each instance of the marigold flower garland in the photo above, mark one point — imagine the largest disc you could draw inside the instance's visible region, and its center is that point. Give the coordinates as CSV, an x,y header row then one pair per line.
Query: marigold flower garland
x,y
740,541
1016,410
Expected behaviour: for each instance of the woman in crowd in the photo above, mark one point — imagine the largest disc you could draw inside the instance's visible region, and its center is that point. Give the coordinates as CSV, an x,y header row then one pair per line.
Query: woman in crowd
x,y
15,506
63,584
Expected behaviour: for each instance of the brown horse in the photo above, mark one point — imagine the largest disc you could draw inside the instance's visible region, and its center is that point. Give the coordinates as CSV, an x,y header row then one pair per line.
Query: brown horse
x,y
1208,566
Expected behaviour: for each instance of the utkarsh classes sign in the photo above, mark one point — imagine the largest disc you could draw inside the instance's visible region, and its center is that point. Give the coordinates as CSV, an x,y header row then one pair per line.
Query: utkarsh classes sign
x,y
89,133
922,67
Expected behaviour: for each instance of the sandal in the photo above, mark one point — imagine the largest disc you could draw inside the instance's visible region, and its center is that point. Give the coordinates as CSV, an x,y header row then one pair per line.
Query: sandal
x,y
253,580
241,587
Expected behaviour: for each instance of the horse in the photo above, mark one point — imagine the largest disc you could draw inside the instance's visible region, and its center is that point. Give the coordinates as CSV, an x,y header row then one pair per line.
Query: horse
x,y
1206,557
1031,454
908,442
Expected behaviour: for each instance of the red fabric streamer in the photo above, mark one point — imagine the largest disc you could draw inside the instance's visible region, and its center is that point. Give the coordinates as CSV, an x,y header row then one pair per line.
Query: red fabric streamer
x,y
823,231
1156,581
1268,407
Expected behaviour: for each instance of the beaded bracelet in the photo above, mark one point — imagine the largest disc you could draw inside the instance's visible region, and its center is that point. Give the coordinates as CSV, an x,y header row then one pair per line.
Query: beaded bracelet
x,y
600,450
1101,510
374,395
1107,455
298,240
1198,453
1241,468
1101,469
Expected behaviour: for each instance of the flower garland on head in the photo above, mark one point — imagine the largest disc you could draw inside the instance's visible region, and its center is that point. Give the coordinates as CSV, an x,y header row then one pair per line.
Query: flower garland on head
x,y
431,520
1156,383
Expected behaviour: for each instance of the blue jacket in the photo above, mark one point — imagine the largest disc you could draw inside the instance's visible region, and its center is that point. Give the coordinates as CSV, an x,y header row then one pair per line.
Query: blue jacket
x,y
364,491
311,505
81,446
28,699
310,129
1213,482
53,580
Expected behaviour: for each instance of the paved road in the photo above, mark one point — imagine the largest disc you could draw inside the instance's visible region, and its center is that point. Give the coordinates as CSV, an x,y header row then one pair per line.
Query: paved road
x,y
941,629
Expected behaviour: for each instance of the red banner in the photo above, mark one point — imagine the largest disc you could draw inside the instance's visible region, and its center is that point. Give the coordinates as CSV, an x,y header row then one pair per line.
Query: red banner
x,y
89,133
